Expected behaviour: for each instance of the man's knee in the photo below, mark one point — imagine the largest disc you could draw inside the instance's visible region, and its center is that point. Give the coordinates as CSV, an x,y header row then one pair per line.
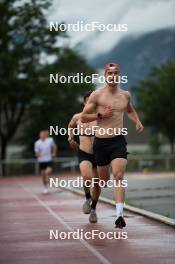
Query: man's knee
x,y
87,176
48,170
118,175
104,176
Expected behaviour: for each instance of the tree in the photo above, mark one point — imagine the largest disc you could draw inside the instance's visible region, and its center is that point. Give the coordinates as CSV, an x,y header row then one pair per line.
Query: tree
x,y
23,37
25,45
57,102
155,97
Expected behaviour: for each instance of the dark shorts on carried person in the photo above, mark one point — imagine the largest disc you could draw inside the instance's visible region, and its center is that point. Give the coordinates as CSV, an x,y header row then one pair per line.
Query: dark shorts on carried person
x,y
107,149
82,156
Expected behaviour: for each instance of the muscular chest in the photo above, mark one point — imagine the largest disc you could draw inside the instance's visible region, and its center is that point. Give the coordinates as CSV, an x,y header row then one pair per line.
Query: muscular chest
x,y
117,102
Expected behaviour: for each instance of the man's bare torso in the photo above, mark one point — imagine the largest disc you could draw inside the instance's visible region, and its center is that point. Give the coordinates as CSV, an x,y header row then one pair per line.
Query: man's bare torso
x,y
118,101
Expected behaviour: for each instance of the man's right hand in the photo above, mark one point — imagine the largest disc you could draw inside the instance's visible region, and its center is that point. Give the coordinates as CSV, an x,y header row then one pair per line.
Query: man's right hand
x,y
73,144
108,112
39,154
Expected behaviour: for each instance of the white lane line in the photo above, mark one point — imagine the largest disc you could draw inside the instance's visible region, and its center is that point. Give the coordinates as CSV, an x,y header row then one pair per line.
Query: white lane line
x,y
88,246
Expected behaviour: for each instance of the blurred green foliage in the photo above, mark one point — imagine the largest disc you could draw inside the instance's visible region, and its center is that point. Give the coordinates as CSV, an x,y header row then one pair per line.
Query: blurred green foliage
x,y
155,98
27,101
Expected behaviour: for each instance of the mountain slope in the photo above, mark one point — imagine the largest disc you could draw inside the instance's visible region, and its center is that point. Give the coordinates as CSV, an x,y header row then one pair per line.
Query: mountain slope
x,y
137,55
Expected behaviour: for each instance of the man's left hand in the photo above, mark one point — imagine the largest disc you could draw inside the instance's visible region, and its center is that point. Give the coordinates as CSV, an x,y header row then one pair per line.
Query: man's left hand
x,y
139,127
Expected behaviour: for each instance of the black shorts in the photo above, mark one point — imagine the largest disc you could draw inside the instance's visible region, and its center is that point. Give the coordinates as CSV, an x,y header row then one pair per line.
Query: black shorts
x,y
107,149
44,165
82,155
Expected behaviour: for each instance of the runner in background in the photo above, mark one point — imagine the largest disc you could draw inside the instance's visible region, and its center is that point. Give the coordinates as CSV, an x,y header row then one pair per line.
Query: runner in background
x,y
45,151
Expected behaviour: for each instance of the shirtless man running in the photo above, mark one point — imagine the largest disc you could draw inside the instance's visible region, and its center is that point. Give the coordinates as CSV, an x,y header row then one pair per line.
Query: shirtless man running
x,y
107,106
87,163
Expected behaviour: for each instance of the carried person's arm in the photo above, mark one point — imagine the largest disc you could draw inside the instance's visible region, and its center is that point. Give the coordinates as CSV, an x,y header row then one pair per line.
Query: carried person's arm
x,y
133,116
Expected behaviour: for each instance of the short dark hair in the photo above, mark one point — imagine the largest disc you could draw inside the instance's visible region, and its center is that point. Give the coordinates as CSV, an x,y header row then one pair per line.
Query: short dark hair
x,y
43,129
111,64
87,94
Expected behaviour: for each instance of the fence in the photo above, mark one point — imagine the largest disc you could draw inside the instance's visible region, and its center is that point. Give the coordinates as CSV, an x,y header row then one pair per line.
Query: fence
x,y
135,163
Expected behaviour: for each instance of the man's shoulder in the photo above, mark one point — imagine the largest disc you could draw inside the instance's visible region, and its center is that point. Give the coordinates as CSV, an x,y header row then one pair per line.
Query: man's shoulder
x,y
99,90
95,94
126,93
50,139
37,142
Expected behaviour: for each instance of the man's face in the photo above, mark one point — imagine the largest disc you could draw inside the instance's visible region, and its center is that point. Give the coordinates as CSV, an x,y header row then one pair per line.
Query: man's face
x,y
112,76
43,134
46,133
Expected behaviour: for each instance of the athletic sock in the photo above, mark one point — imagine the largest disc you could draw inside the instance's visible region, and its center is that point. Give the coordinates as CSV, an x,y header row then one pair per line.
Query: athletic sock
x,y
119,209
88,195
93,204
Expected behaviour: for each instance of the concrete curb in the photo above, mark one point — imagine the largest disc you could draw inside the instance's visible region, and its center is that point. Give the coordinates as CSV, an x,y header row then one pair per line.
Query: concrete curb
x,y
148,214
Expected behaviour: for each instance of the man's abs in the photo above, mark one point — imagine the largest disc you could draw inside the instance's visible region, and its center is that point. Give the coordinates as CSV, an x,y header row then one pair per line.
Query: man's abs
x,y
110,127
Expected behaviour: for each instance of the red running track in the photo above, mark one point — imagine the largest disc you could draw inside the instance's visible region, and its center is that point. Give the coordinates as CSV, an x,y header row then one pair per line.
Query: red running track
x,y
27,215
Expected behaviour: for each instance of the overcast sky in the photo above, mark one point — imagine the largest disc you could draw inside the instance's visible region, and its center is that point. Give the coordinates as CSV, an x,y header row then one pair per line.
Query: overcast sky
x,y
140,15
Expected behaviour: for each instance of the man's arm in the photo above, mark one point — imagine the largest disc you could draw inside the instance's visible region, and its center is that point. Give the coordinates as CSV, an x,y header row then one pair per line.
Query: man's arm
x,y
90,114
36,150
72,124
37,154
54,150
133,116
